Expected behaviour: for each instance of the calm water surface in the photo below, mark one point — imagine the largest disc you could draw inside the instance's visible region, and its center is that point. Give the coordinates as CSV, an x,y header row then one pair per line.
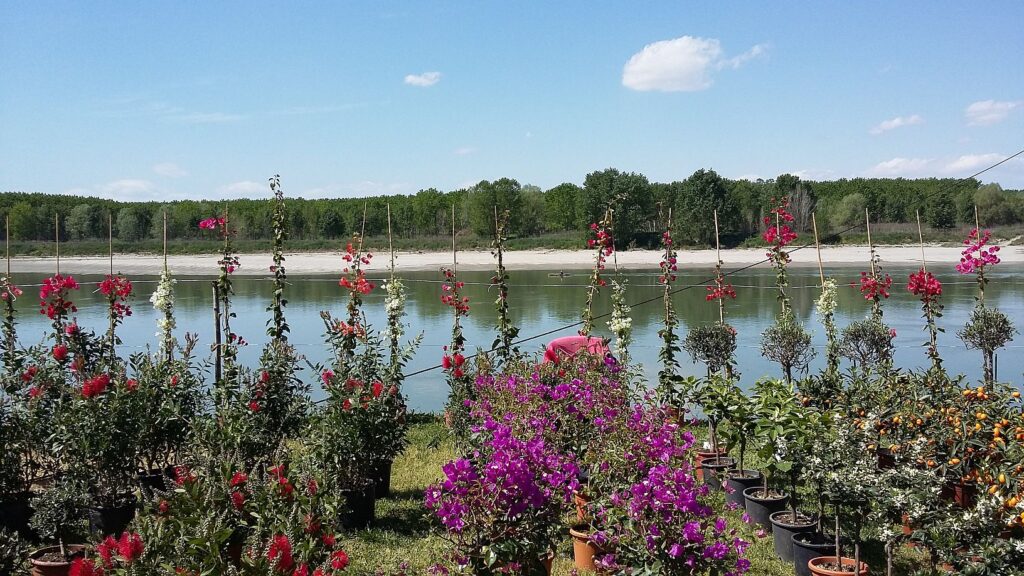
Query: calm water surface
x,y
541,302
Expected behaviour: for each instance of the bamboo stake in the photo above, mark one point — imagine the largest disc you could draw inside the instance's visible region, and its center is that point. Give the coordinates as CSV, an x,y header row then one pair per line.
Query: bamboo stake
x,y
216,334
977,222
165,241
56,235
817,247
455,261
778,233
920,238
718,257
391,245
871,248
7,243
110,240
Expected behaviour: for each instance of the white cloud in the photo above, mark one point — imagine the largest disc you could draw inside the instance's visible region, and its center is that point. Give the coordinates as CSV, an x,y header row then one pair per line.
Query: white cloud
x,y
682,64
971,162
899,167
423,80
243,189
127,188
987,112
464,151
169,170
897,122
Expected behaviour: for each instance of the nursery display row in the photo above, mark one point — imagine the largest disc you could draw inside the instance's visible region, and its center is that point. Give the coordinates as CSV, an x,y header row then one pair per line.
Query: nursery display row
x,y
158,462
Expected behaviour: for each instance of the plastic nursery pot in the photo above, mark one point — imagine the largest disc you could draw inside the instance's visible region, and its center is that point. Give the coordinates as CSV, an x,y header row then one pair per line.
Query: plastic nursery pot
x,y
49,562
155,479
111,520
15,513
760,507
716,470
809,545
737,482
584,549
703,455
360,508
783,529
381,474
826,566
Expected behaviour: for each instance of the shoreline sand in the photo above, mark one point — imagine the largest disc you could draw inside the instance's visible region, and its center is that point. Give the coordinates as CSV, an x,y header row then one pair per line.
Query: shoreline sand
x,y
258,264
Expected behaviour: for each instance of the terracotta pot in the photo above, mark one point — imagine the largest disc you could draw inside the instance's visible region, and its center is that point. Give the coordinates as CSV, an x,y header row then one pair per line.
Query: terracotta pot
x,y
760,509
816,567
60,568
584,550
581,501
783,531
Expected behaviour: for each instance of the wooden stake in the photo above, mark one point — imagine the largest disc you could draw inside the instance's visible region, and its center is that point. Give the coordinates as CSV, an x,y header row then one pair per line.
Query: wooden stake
x,y
165,240
455,260
7,244
817,247
718,267
56,235
871,249
718,245
977,222
920,238
110,240
217,364
391,245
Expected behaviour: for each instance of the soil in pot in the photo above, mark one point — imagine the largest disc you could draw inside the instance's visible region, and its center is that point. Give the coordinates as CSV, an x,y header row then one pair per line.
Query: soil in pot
x,y
715,471
809,545
111,520
360,508
15,513
784,526
381,475
737,482
760,506
829,566
49,561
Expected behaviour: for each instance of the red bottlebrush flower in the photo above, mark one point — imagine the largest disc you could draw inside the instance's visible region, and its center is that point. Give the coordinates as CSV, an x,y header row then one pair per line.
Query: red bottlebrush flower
x,y
182,475
254,406
312,487
339,560
346,405
312,525
458,373
302,570
264,377
377,389
130,547
131,384
328,540
458,359
35,392
446,362
174,380
29,373
238,499
60,353
95,386
277,471
238,478
71,329
106,551
326,377
163,507
319,572
85,567
285,487
280,554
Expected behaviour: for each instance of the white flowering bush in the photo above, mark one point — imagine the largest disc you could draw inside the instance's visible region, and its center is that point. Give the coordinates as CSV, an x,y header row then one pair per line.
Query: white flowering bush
x,y
621,323
163,301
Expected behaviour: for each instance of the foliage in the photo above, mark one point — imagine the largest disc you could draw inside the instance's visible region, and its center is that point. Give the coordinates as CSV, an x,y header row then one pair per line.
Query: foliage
x,y
868,344
13,552
787,343
712,344
507,331
277,326
621,323
785,430
668,266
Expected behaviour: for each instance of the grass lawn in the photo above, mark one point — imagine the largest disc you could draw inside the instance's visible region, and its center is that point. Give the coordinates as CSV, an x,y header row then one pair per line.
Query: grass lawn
x,y
405,532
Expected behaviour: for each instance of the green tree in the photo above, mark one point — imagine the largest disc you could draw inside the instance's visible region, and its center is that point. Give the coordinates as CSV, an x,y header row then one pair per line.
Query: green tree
x,y
83,221
330,224
695,202
850,210
630,196
940,211
505,194
24,224
132,223
560,206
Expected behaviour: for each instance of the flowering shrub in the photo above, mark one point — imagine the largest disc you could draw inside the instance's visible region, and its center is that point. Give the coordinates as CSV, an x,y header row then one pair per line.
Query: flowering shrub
x,y
621,323
9,293
987,329
669,266
163,302
778,235
603,243
54,302
927,287
116,556
504,504
453,361
507,331
118,290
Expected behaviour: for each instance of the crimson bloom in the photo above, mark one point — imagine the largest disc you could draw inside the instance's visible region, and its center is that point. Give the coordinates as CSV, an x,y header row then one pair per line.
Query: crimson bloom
x,y
60,353
85,567
130,547
922,283
339,560
95,386
280,554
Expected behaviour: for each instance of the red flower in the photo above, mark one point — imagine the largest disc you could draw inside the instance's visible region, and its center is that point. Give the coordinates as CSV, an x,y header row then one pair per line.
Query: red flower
x,y
280,554
35,392
302,570
85,567
377,389
339,560
924,284
174,380
106,551
446,362
130,547
182,475
254,406
164,507
131,384
312,487
60,352
458,359
346,405
29,373
238,478
238,499
284,487
95,386
328,540
326,377
312,524
873,288
211,223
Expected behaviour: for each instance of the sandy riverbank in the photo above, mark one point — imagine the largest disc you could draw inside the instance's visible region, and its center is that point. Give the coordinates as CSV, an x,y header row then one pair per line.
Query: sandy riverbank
x,y
331,263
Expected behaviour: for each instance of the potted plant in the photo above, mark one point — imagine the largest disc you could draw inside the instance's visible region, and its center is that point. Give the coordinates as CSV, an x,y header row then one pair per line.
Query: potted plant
x,y
58,521
743,422
718,397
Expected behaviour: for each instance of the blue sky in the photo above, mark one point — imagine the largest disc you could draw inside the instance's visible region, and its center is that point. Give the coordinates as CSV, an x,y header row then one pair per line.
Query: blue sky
x,y
165,100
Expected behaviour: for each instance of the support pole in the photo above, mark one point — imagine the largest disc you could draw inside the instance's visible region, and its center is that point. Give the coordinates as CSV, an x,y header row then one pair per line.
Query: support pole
x,y
920,239
56,236
217,342
817,247
110,240
871,247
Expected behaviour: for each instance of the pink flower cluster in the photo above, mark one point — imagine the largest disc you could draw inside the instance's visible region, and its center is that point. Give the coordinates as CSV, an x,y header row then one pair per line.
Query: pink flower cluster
x,y
978,254
212,223
778,234
720,291
605,244
669,264
873,288
117,289
358,283
925,285
53,296
450,295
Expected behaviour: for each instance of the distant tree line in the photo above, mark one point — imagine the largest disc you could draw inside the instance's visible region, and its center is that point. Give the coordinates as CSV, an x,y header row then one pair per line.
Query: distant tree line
x,y
640,209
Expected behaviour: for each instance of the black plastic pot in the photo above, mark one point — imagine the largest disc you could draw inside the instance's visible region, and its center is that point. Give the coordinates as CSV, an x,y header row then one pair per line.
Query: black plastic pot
x,y
738,481
15,513
714,471
381,475
360,508
111,520
155,479
782,532
760,509
807,545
